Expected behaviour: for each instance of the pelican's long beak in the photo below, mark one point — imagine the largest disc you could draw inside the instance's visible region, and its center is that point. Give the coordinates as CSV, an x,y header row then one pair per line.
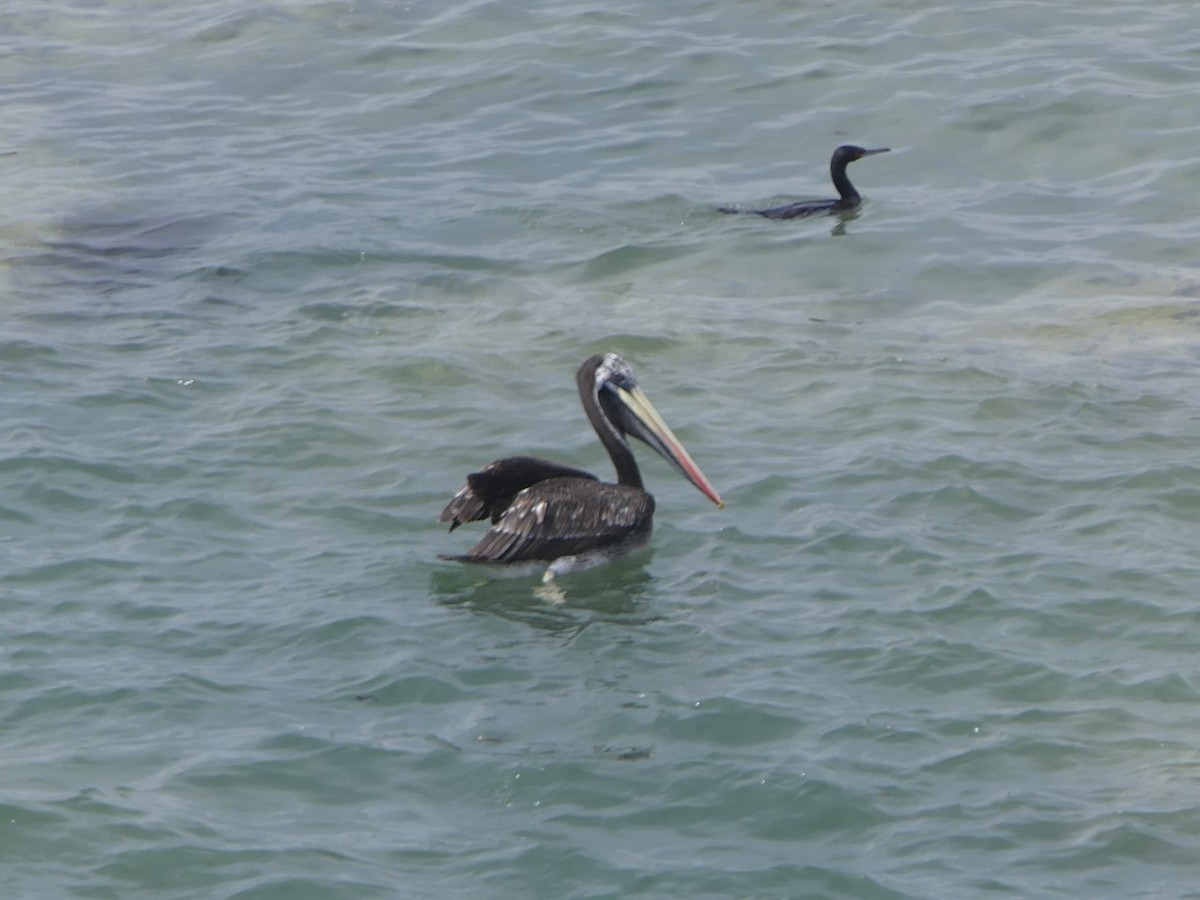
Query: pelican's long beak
x,y
650,428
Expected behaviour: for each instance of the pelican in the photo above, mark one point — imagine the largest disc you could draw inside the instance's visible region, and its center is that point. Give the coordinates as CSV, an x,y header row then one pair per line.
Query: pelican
x,y
547,512
848,196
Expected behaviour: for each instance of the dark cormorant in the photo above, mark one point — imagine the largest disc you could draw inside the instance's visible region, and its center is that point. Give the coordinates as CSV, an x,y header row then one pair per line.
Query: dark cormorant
x,y
543,511
849,198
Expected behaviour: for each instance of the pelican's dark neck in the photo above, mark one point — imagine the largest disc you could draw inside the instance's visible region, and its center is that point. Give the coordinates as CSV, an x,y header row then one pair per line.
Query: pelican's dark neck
x,y
617,447
837,171
628,472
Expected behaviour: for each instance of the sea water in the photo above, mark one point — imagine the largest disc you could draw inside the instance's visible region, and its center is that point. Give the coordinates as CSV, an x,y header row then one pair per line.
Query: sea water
x,y
276,276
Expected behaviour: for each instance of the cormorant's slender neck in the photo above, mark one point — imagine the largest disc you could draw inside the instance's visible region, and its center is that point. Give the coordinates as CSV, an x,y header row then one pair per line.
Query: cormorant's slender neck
x,y
837,171
617,447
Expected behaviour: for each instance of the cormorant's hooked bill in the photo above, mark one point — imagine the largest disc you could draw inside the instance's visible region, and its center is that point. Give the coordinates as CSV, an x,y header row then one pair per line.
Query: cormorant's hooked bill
x,y
544,511
848,197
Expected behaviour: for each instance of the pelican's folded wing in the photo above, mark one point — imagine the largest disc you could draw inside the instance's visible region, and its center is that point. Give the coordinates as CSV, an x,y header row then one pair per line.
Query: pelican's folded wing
x,y
563,517
488,492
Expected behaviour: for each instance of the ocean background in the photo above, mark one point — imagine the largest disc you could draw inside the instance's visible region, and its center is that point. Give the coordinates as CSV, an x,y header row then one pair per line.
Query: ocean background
x,y
275,276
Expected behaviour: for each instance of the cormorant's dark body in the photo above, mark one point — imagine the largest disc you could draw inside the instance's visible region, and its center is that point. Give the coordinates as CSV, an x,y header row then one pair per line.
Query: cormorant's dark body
x,y
848,197
545,511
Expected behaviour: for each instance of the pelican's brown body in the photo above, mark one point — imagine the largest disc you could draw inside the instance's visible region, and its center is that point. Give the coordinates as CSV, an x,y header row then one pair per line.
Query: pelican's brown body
x,y
543,511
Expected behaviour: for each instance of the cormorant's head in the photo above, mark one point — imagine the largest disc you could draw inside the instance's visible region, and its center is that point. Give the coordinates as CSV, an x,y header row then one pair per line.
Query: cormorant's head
x,y
848,153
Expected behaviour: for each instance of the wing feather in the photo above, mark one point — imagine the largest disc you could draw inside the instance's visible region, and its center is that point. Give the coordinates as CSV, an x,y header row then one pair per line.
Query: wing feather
x,y
490,491
563,517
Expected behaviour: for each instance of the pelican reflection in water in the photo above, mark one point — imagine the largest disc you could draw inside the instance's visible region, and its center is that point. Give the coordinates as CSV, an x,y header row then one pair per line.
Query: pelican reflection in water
x,y
546,512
